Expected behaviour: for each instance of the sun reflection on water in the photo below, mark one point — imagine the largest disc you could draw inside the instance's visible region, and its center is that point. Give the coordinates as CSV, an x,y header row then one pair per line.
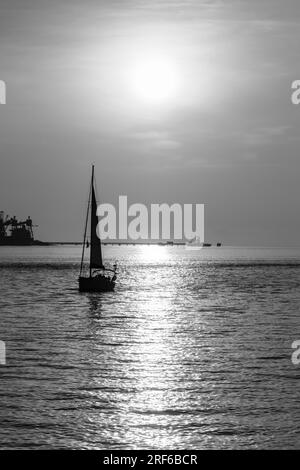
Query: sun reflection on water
x,y
153,253
155,354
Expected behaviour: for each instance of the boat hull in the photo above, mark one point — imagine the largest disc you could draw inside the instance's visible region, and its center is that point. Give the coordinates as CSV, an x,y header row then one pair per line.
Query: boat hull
x,y
96,284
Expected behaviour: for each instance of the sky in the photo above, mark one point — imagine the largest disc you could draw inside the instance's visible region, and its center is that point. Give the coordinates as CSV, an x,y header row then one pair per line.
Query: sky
x,y
173,101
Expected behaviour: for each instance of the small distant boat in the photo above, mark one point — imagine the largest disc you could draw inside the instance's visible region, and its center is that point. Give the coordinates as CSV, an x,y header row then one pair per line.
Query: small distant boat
x,y
197,243
98,279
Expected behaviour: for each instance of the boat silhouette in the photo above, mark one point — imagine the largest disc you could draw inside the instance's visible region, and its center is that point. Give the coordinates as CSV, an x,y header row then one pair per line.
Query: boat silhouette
x,y
99,278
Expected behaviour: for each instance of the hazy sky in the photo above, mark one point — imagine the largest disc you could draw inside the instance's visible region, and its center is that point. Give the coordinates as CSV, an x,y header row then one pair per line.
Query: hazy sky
x,y
224,132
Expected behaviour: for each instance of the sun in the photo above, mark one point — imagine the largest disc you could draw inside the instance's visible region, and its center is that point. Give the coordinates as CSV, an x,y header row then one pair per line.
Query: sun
x,y
155,80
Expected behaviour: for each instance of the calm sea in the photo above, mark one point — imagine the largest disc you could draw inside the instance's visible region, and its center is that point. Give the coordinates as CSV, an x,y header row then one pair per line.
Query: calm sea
x,y
192,351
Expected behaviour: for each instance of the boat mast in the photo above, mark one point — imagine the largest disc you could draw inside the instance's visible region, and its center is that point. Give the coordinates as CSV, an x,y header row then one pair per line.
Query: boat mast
x,y
91,247
85,230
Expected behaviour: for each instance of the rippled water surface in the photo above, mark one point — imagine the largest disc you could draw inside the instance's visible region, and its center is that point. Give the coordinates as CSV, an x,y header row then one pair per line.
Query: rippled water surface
x,y
192,351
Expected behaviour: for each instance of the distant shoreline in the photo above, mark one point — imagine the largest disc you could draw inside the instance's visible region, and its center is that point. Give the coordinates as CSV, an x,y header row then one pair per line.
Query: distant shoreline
x,y
121,243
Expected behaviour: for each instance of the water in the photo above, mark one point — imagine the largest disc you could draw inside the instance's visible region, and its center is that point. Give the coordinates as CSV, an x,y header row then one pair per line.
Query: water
x,y
192,351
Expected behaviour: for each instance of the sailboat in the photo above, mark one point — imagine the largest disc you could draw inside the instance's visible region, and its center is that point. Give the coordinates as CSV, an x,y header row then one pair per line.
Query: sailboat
x,y
99,278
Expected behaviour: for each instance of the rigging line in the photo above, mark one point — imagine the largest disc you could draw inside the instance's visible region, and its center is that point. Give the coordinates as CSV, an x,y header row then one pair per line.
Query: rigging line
x,y
85,229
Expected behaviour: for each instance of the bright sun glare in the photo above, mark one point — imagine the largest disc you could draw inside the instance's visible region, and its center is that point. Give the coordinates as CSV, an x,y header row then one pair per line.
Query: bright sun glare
x,y
155,80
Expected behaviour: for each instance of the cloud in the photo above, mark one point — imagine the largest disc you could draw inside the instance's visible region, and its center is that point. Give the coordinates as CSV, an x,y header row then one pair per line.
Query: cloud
x,y
155,142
